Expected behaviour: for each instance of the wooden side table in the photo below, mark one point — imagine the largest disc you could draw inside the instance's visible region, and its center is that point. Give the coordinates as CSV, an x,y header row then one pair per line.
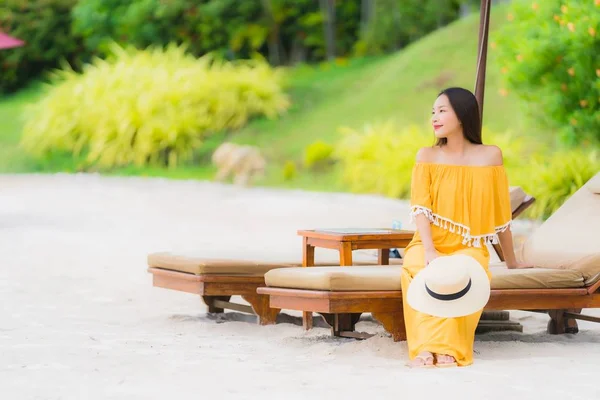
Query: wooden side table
x,y
346,240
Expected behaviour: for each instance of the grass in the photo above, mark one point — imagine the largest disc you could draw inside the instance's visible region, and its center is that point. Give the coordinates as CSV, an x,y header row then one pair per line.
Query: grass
x,y
12,157
401,86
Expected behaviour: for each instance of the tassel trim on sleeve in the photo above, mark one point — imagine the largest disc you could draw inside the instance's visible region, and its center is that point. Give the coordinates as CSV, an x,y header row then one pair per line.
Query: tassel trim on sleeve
x,y
460,229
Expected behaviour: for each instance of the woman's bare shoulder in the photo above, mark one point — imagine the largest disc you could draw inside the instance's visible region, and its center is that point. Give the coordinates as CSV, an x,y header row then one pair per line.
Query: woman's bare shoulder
x,y
427,154
491,155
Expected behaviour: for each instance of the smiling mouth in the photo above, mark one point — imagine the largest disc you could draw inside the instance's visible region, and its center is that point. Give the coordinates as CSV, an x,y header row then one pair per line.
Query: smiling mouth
x,y
436,127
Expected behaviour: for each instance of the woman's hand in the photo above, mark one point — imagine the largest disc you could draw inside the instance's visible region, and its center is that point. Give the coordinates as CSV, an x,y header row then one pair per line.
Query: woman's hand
x,y
518,265
430,255
506,242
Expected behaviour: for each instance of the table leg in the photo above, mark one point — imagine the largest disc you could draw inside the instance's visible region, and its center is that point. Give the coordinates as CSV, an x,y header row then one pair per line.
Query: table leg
x,y
308,260
308,254
384,257
345,253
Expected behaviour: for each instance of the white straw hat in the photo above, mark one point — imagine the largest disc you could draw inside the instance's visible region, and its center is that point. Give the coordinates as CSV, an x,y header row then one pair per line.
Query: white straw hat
x,y
449,287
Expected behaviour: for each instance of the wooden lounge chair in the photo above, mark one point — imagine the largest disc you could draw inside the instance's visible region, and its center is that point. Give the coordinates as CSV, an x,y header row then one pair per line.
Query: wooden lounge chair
x,y
217,279
565,247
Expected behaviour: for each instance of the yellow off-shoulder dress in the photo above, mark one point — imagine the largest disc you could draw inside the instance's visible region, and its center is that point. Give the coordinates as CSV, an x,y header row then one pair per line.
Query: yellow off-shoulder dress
x,y
467,207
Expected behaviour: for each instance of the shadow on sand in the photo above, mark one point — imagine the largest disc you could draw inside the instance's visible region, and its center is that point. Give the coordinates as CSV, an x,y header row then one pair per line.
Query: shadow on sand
x,y
282,318
584,336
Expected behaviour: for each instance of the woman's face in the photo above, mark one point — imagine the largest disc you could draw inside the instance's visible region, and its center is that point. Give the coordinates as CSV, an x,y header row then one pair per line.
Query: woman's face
x,y
443,118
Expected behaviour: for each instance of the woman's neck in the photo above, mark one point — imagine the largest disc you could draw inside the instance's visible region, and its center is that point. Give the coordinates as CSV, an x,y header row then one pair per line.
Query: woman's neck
x,y
456,145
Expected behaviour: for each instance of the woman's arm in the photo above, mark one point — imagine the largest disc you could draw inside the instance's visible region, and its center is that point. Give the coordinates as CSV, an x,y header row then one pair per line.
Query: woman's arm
x,y
424,229
508,249
420,186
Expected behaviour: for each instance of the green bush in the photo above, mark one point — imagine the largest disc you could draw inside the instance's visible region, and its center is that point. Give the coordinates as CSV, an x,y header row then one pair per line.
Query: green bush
x,y
554,177
318,155
549,53
289,170
149,107
379,158
45,27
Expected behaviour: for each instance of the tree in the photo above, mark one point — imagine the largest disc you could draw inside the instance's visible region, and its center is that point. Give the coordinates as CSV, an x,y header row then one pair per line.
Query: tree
x,y
549,54
328,10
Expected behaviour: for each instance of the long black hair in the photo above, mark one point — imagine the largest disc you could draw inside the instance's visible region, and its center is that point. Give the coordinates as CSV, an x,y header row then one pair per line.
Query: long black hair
x,y
466,108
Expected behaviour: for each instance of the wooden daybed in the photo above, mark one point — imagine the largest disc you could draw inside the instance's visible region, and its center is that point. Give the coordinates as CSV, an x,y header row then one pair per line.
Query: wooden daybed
x,y
566,247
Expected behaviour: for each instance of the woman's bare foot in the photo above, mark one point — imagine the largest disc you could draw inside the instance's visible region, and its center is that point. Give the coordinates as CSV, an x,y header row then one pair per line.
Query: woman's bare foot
x,y
444,360
422,360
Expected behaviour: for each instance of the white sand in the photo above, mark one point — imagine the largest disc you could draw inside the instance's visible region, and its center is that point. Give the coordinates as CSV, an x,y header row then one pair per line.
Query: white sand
x,y
81,320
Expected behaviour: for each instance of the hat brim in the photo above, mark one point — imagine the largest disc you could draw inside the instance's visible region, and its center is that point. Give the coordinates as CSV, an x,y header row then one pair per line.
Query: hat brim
x,y
472,302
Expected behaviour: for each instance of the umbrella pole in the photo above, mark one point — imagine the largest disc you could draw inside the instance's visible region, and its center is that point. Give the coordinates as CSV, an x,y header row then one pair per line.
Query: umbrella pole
x,y
490,321
484,25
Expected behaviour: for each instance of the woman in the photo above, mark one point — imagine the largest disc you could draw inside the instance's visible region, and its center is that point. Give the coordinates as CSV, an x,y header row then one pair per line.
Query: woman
x,y
460,202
